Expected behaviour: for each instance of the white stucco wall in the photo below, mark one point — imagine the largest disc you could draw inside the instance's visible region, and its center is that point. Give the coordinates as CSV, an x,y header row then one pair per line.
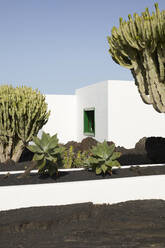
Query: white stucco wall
x,y
129,118
62,119
93,96
120,114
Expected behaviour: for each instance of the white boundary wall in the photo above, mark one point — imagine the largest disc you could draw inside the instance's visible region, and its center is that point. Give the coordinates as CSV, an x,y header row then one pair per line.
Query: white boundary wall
x,y
96,191
129,118
62,119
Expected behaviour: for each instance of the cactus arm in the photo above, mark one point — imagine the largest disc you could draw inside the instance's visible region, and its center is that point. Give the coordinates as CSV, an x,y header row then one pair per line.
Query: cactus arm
x,y
17,151
32,116
161,60
157,88
119,56
2,153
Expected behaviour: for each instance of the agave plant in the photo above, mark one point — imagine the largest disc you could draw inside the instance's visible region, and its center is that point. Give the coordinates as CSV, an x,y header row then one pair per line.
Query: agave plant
x,y
47,153
102,158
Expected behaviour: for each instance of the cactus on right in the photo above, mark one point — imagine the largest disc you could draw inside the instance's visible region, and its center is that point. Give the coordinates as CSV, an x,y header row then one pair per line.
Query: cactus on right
x,y
139,45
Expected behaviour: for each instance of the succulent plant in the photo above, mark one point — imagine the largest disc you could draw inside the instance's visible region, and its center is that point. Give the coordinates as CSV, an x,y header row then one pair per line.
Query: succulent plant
x,y
102,158
47,153
139,45
23,112
68,158
72,159
80,159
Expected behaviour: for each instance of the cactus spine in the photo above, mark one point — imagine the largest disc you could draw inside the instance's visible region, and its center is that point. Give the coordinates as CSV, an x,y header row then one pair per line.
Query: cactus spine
x,y
139,45
23,112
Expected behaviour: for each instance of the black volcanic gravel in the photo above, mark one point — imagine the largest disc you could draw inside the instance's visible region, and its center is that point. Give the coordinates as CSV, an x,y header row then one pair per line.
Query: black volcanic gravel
x,y
132,224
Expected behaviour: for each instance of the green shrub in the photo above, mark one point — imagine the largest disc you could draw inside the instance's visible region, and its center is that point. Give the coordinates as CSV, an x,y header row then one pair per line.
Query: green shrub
x,y
68,158
102,158
72,159
80,159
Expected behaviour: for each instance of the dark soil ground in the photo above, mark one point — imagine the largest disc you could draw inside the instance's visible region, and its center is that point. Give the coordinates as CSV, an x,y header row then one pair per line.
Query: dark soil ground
x,y
133,224
34,178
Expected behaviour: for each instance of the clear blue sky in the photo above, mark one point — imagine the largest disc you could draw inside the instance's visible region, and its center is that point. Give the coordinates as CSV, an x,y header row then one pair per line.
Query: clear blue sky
x,y
58,46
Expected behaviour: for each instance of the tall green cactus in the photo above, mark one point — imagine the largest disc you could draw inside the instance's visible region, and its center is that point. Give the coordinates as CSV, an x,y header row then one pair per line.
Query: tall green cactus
x,y
23,112
139,45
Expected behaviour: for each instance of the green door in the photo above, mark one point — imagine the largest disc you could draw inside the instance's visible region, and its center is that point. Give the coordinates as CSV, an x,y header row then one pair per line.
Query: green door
x,y
89,122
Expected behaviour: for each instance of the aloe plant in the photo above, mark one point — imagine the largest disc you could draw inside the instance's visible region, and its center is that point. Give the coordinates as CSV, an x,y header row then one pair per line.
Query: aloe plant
x,y
47,153
102,158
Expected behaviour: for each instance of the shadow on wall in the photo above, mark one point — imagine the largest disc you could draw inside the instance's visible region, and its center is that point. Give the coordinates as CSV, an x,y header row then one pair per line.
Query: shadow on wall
x,y
155,148
149,150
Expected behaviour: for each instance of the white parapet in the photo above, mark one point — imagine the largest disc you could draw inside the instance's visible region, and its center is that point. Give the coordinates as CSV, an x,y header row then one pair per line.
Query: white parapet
x,y
107,191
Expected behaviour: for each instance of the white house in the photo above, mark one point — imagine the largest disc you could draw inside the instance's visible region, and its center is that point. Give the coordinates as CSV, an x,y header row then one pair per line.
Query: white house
x,y
110,110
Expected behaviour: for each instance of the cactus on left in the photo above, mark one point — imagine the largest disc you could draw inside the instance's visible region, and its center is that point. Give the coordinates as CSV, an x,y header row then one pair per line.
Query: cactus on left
x,y
23,112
